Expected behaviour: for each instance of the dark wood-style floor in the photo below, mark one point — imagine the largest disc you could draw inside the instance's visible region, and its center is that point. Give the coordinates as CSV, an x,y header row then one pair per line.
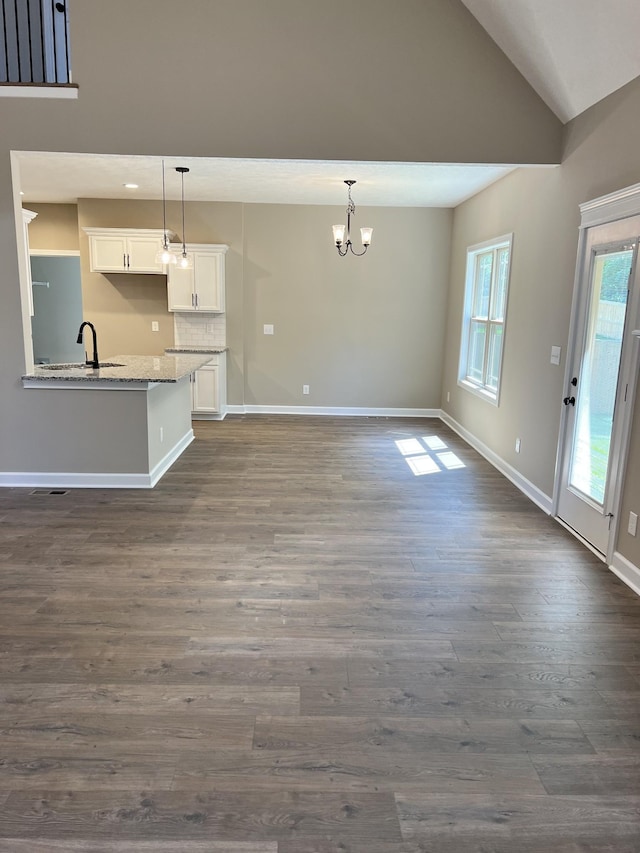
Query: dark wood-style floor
x,y
294,645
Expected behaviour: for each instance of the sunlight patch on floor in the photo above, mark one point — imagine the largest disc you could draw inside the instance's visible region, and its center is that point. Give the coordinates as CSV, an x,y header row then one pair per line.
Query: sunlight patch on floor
x,y
429,456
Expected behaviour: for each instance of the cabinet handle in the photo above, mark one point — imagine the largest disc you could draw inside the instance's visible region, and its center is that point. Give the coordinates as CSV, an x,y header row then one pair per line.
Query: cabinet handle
x,y
124,261
193,304
196,300
128,264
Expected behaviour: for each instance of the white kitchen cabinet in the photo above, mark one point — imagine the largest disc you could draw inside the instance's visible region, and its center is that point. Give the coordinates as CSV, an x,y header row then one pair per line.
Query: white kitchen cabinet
x,y
201,288
129,250
209,390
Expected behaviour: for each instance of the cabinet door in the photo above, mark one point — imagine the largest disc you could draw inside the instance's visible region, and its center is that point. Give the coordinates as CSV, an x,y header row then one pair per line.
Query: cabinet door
x,y
108,253
209,281
142,253
180,289
205,389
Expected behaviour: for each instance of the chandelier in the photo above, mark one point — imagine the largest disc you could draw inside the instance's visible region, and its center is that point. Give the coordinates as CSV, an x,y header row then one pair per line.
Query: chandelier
x,y
339,230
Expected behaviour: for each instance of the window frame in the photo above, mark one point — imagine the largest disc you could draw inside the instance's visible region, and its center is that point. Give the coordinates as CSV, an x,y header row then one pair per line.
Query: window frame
x,y
480,389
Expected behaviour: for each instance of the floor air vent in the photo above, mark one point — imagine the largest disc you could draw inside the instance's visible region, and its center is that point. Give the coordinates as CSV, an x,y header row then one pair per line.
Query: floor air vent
x,y
42,492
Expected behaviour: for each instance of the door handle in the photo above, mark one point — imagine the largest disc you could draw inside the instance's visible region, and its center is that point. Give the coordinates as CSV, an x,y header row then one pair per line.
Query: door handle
x,y
569,401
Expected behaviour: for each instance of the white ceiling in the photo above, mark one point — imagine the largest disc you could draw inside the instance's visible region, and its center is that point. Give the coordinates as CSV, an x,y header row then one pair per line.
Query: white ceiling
x,y
51,177
572,52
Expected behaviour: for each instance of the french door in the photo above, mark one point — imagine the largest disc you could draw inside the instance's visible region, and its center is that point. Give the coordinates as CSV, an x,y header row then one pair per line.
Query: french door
x,y
601,381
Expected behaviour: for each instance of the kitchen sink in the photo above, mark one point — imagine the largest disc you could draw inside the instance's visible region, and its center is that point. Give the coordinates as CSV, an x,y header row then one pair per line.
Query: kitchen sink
x,y
77,366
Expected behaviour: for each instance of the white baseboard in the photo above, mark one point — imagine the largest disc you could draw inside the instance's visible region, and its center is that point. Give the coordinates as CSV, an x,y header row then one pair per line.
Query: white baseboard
x,y
526,486
626,571
167,461
335,411
47,480
207,416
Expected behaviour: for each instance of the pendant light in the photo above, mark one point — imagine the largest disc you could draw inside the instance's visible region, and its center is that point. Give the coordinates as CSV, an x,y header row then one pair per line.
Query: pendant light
x,y
339,230
165,255
185,261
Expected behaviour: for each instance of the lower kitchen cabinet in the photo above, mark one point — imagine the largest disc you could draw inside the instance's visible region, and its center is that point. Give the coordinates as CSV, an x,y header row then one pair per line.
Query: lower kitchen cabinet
x,y
209,390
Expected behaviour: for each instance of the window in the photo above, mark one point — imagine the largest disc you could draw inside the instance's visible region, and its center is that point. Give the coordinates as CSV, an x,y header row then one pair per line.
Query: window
x,y
485,309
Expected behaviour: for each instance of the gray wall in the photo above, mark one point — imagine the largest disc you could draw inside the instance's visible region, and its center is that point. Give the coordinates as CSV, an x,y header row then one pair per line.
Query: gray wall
x,y
169,408
359,331
541,208
408,80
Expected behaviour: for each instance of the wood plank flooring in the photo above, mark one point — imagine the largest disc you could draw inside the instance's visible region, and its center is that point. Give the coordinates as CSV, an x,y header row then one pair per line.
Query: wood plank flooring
x,y
295,645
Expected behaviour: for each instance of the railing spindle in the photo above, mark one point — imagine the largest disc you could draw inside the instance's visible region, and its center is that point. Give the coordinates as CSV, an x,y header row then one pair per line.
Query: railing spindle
x,y
67,64
6,40
55,47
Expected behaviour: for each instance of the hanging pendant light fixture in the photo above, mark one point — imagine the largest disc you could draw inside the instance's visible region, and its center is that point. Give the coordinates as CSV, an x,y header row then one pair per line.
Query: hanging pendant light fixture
x,y
165,255
339,230
185,261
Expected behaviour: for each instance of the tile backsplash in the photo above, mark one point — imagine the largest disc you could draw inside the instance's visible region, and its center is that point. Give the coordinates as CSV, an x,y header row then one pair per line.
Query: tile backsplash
x,y
200,329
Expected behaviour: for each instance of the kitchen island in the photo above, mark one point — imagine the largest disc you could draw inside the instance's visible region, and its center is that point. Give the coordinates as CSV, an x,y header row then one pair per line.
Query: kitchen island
x,y
125,438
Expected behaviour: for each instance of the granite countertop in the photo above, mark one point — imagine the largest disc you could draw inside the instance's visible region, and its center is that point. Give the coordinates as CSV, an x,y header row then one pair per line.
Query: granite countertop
x,y
177,350
134,368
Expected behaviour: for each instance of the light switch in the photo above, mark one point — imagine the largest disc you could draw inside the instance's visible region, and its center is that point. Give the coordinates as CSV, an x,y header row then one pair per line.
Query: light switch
x,y
155,326
268,329
556,353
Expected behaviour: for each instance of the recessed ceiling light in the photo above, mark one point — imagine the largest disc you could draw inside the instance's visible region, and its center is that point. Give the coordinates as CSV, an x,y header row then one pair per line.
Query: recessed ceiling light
x,y
131,186
21,193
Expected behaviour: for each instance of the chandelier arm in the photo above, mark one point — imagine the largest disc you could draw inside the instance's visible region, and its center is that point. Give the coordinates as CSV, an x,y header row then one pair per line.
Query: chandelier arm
x,y
357,254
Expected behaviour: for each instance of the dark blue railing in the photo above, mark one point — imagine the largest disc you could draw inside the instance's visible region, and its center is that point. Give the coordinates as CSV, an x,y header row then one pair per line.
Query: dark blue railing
x,y
34,42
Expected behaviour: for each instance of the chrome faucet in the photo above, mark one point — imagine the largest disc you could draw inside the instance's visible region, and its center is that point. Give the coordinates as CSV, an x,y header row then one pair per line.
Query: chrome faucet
x,y
94,361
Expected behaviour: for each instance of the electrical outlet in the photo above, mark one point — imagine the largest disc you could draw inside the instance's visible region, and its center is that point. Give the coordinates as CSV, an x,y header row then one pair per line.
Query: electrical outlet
x,y
155,326
305,389
633,523
268,329
517,445
161,434
448,397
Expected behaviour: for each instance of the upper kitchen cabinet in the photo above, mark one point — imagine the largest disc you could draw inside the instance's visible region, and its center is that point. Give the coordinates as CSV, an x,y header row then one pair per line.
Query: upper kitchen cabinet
x,y
202,287
131,250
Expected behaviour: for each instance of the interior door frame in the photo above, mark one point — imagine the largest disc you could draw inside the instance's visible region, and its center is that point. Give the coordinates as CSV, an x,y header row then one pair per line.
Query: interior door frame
x,y
604,210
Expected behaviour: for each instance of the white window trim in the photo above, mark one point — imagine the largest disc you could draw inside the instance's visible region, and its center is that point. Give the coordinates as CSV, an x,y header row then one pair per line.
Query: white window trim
x,y
505,241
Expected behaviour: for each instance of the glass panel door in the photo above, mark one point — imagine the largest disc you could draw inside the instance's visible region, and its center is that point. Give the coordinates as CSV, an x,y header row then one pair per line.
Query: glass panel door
x,y
600,382
595,403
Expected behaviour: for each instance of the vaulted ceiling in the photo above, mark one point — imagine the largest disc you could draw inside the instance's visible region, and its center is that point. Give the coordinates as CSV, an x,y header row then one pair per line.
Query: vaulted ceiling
x,y
572,52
